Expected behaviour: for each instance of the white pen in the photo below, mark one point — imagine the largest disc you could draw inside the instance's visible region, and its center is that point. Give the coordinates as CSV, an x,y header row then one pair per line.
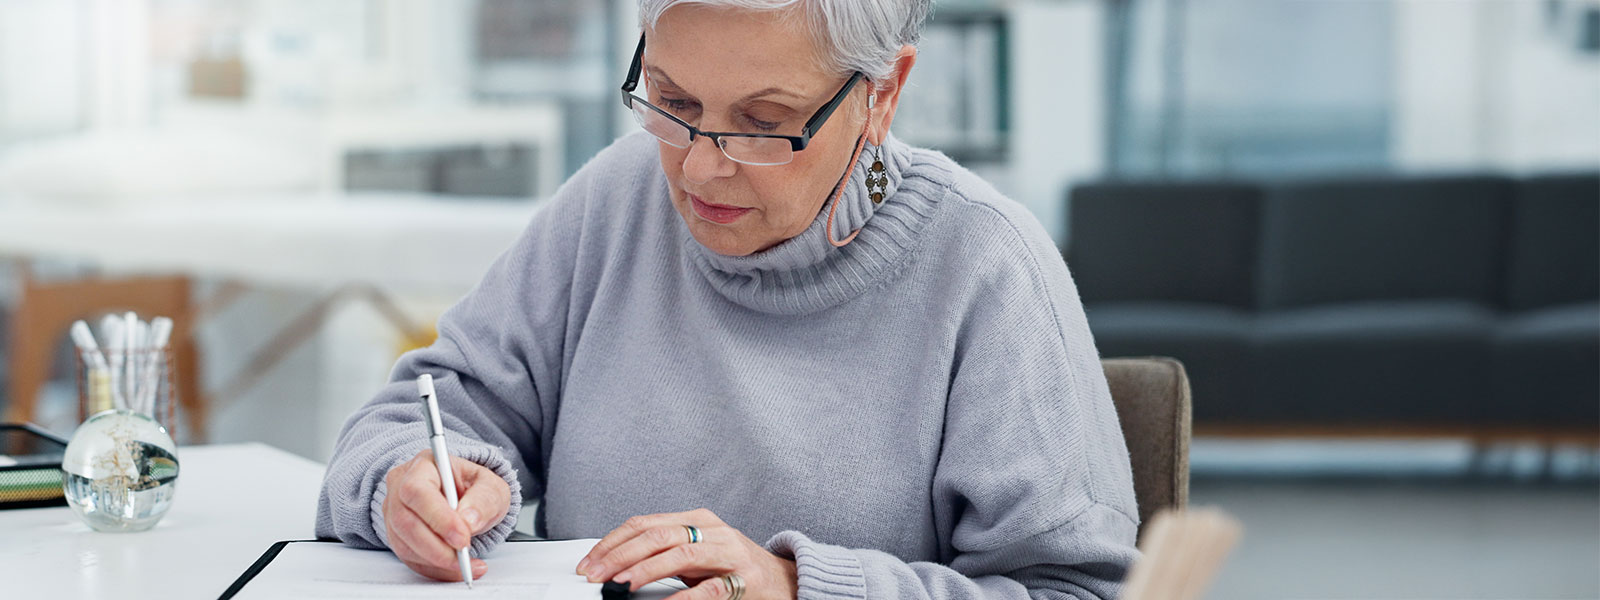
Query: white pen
x,y
130,380
85,341
160,334
116,352
441,458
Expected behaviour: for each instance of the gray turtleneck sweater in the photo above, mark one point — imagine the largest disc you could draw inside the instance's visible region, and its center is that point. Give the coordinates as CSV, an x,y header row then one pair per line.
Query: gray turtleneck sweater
x,y
918,414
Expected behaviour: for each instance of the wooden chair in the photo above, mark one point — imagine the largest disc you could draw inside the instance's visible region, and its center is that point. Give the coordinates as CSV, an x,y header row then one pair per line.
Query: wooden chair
x,y
46,310
1153,405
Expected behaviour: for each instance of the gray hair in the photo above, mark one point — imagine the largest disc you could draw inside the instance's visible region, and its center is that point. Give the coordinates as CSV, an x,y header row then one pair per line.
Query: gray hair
x,y
853,35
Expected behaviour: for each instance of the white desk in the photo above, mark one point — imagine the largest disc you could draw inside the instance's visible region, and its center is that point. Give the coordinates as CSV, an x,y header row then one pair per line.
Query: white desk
x,y
233,502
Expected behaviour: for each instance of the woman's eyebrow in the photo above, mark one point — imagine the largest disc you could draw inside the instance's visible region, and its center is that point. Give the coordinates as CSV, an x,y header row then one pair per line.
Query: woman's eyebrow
x,y
657,74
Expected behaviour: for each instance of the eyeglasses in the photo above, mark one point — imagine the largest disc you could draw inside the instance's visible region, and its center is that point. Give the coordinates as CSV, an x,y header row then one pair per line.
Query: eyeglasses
x,y
759,149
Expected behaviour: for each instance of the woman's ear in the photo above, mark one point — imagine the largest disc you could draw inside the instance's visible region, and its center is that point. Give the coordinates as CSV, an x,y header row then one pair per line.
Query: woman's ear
x,y
887,94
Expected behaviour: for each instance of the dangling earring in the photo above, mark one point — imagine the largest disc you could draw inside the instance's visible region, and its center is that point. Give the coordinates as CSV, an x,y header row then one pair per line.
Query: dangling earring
x,y
877,180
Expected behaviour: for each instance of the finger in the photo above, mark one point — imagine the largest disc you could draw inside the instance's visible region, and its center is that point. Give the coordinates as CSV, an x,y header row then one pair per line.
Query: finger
x,y
452,572
424,544
700,517
409,557
443,574
412,561
465,473
486,499
646,544
688,558
399,546
711,589
433,572
624,532
420,491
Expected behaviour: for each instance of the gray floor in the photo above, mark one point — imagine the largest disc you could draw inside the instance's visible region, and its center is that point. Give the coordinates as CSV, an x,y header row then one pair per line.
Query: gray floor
x,y
1393,535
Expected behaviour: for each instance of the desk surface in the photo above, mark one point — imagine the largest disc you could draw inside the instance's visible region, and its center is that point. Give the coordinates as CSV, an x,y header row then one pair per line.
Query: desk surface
x,y
396,241
233,501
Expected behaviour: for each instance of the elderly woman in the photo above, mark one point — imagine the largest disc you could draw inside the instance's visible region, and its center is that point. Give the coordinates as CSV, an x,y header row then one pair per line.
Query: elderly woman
x,y
765,347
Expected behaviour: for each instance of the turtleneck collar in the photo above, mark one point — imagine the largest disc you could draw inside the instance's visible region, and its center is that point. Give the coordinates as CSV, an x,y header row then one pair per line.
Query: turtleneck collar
x,y
807,273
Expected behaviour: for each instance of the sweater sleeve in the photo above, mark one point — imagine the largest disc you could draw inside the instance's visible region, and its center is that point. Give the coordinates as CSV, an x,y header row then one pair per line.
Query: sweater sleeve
x,y
496,367
1033,492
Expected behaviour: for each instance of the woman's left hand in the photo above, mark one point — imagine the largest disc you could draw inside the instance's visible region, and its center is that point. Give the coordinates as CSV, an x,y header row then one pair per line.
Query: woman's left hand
x,y
652,547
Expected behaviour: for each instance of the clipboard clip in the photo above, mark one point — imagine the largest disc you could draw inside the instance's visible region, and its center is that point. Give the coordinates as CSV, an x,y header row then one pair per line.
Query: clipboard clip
x,y
613,590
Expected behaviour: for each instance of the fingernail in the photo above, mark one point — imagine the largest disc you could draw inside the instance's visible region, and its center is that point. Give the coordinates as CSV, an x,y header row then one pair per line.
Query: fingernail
x,y
459,540
471,517
623,577
583,563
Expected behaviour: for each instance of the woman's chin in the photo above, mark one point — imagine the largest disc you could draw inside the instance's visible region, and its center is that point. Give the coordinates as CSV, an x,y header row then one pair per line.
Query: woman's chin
x,y
720,239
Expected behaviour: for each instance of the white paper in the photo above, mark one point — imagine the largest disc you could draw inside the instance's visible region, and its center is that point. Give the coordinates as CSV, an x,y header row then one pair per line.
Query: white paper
x,y
524,570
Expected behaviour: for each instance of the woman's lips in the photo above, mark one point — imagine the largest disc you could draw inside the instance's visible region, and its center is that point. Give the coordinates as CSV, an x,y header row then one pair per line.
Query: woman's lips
x,y
716,213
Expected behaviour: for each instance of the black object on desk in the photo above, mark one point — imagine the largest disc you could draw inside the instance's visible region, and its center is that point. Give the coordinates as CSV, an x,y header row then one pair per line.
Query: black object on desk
x,y
30,467
613,590
610,590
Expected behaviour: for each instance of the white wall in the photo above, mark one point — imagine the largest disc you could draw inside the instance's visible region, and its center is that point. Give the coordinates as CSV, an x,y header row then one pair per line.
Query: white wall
x,y
1492,85
1058,113
40,51
1548,92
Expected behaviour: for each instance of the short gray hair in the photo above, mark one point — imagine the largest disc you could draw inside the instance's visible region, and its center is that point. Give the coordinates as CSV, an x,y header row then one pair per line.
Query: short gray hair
x,y
853,35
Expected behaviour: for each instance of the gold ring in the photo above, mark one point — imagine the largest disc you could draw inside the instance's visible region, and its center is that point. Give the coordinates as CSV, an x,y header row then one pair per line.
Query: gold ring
x,y
735,585
694,534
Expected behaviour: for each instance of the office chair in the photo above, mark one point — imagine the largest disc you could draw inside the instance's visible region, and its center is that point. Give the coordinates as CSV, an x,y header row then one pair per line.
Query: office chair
x,y
1152,399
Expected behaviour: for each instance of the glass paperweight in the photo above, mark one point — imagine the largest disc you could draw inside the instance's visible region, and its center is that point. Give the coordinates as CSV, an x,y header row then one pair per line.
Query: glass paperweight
x,y
121,471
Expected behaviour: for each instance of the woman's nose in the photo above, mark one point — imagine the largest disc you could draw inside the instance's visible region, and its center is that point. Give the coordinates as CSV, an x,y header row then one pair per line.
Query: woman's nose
x,y
706,161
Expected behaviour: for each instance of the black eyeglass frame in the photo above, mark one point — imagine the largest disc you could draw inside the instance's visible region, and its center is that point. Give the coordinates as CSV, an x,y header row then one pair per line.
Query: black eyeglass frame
x,y
796,142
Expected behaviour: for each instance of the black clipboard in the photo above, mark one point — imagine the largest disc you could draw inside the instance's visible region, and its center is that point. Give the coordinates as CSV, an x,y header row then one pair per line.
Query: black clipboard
x,y
261,563
610,591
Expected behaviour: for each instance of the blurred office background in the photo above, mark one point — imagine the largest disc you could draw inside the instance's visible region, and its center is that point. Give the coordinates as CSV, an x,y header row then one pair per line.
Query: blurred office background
x,y
1366,226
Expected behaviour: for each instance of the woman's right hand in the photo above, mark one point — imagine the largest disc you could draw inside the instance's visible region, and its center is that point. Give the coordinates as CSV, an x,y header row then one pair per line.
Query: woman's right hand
x,y
423,531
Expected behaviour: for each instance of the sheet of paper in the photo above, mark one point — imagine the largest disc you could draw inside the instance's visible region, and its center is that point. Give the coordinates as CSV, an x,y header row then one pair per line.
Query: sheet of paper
x,y
524,570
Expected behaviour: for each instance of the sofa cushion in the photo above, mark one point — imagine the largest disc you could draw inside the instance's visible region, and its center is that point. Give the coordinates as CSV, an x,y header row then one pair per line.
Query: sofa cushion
x,y
1382,239
1553,254
1188,242
1547,367
1404,362
1211,341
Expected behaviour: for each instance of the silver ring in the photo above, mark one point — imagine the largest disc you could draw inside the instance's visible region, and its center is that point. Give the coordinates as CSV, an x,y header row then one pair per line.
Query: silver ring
x,y
694,534
735,585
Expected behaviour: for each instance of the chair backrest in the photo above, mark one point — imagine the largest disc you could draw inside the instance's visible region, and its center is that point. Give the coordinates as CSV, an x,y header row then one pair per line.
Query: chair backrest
x,y
1152,398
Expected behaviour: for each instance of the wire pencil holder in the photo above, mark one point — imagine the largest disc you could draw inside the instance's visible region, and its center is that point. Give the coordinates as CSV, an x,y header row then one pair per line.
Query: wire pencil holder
x,y
150,391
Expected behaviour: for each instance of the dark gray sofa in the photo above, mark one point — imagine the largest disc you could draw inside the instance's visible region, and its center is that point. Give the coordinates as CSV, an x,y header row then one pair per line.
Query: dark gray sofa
x,y
1455,301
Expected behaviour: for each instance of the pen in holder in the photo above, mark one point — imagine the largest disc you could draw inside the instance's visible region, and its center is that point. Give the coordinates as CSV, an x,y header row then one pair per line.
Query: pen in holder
x,y
122,464
150,393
